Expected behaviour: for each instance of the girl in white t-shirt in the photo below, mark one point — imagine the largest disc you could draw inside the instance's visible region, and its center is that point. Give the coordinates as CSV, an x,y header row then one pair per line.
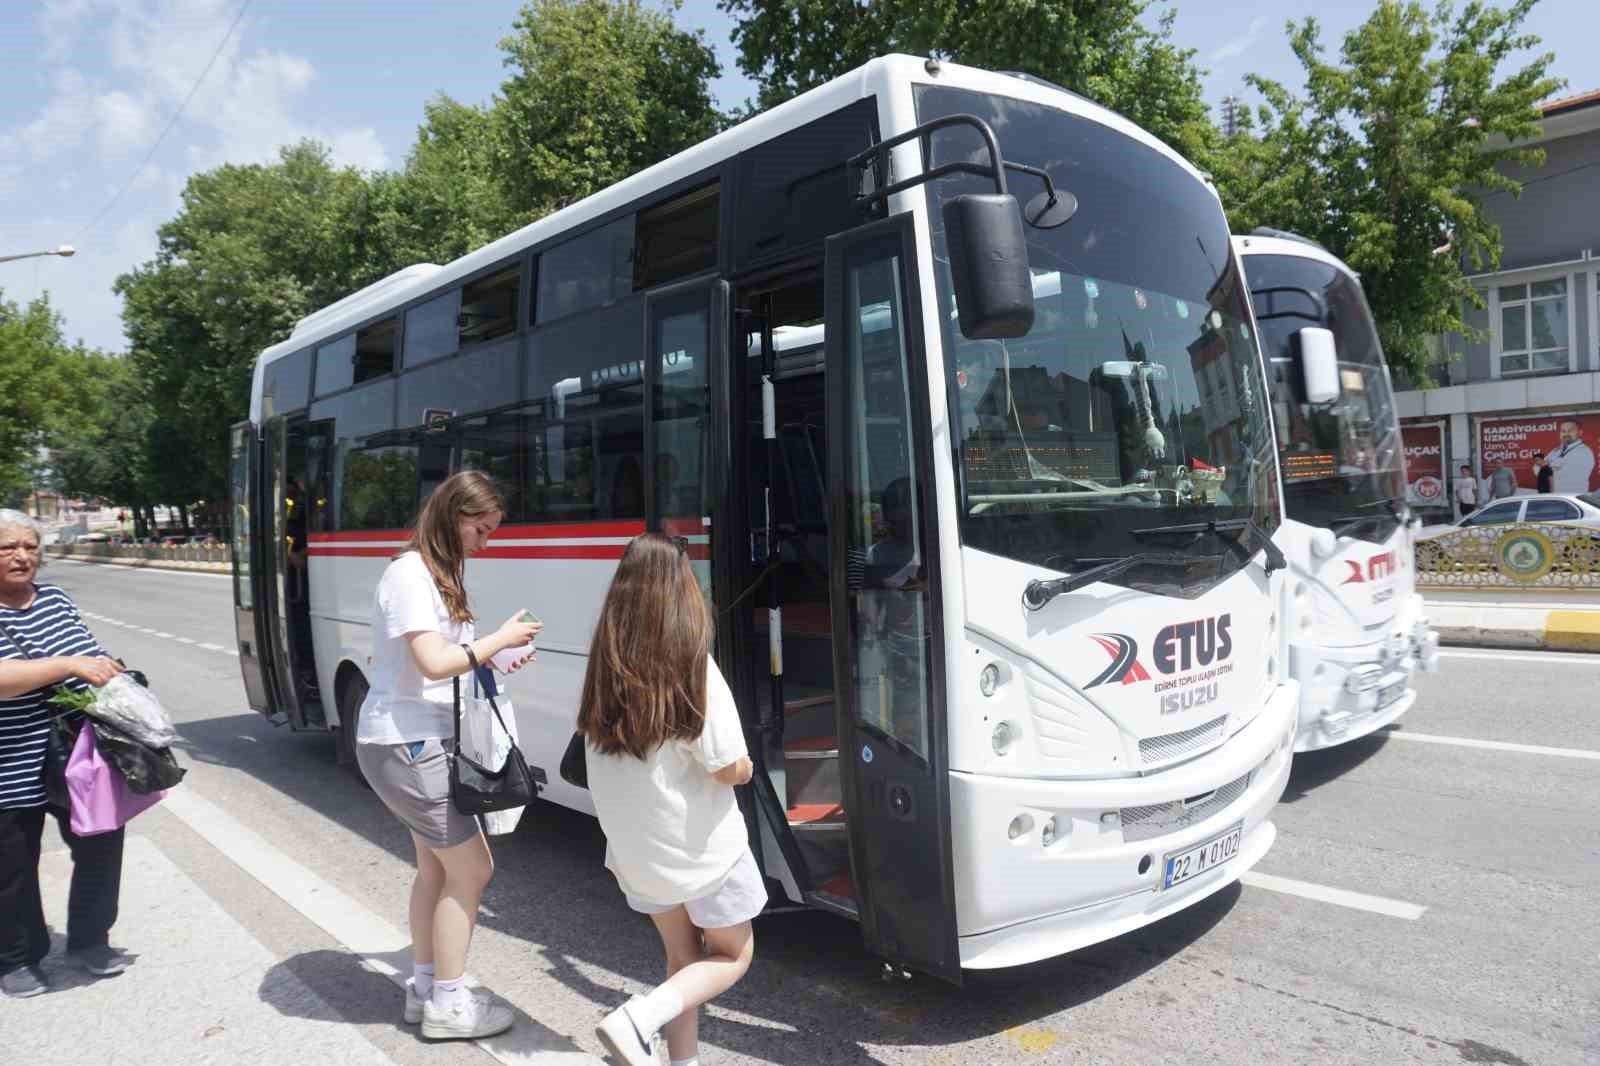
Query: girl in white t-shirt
x,y
420,624
664,751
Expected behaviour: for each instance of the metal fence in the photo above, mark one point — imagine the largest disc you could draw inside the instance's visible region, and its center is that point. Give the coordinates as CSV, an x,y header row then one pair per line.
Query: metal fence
x,y
161,553
1520,556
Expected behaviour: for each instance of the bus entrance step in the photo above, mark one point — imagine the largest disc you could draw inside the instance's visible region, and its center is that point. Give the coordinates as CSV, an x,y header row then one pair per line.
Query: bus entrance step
x,y
839,885
811,768
816,817
807,703
811,748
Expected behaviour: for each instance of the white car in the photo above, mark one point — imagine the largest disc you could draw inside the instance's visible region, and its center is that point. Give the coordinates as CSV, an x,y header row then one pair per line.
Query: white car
x,y
1583,510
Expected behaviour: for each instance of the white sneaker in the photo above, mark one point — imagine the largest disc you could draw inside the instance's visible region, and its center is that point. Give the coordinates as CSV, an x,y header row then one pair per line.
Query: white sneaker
x,y
413,1011
623,1040
477,1017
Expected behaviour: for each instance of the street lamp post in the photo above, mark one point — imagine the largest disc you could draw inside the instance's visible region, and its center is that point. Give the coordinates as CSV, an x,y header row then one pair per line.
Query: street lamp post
x,y
64,252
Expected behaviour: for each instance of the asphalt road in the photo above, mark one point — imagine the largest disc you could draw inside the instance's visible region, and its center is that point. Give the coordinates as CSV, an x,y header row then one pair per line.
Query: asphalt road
x,y
1426,902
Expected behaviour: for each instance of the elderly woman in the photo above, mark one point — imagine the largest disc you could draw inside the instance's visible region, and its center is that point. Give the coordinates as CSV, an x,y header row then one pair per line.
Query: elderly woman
x,y
44,645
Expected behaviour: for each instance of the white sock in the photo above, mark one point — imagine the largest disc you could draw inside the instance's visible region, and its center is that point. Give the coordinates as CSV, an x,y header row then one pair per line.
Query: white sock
x,y
422,979
449,995
654,1009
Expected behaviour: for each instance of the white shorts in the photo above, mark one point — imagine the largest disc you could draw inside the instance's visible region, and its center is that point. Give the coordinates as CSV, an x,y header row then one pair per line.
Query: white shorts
x,y
740,897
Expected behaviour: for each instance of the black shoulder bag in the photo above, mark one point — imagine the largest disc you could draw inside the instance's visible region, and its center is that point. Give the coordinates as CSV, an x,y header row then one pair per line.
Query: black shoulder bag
x,y
475,789
575,762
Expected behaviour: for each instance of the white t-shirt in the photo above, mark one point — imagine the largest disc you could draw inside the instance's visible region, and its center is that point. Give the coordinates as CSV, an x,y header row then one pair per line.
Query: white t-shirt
x,y
402,705
673,831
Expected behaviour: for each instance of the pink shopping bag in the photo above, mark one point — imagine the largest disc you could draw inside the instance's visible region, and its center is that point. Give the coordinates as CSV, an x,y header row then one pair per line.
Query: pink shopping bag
x,y
100,798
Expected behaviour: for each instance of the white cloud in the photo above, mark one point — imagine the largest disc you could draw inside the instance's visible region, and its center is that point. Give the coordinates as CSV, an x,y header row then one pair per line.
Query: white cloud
x,y
118,71
1238,46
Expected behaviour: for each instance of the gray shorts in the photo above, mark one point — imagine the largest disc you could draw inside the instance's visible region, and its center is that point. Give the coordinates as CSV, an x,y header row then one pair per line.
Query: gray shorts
x,y
740,897
417,790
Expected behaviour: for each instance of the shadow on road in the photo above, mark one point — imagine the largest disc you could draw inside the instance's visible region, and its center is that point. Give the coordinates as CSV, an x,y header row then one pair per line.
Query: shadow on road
x,y
1313,769
814,994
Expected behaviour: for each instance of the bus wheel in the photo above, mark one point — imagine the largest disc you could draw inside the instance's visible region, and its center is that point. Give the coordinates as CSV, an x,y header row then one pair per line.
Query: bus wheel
x,y
352,694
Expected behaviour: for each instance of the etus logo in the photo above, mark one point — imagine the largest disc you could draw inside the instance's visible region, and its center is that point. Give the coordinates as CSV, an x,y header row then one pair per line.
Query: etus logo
x,y
1187,645
1378,567
1124,652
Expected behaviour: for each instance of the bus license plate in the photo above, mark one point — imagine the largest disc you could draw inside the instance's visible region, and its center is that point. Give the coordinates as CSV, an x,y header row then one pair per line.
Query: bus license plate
x,y
1182,865
1389,693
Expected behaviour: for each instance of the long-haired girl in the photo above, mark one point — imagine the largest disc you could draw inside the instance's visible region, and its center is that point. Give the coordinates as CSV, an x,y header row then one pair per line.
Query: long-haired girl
x,y
420,620
665,750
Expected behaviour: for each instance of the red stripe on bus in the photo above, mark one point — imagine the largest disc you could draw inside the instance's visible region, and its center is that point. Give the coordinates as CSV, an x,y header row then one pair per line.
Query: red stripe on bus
x,y
556,531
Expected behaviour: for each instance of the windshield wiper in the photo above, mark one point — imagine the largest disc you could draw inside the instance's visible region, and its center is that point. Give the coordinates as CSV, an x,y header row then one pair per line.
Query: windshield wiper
x,y
1260,540
1389,502
1039,592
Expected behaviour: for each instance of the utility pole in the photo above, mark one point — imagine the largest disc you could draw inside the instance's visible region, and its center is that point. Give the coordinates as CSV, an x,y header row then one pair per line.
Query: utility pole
x,y
1232,108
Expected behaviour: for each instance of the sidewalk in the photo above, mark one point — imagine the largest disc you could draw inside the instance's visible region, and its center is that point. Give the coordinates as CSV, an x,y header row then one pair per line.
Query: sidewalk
x,y
149,564
1511,619
204,991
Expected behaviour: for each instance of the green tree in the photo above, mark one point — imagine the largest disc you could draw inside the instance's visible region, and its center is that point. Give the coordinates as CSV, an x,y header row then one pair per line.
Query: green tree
x,y
599,90
37,390
1389,153
105,451
1099,48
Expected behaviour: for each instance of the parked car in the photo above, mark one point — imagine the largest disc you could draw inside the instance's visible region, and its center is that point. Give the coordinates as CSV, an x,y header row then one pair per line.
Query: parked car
x,y
95,538
1580,509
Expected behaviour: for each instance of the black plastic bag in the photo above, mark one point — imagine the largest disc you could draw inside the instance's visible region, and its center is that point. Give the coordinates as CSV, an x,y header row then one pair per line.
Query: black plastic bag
x,y
146,769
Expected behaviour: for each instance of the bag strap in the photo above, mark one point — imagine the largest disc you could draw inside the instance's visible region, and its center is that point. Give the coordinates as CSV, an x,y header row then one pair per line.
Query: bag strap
x,y
473,659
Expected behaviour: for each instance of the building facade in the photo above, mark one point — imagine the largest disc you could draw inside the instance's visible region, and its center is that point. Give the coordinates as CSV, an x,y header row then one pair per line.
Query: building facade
x,y
1527,392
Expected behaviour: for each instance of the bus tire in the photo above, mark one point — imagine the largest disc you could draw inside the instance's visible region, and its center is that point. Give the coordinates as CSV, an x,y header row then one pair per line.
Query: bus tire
x,y
352,694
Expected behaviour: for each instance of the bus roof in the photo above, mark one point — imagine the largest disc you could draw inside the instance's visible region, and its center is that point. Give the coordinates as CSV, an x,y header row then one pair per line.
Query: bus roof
x,y
1252,244
872,78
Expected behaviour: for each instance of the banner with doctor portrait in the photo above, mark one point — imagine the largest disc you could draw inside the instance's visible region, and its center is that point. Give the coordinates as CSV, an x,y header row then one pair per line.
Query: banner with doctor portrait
x,y
1568,442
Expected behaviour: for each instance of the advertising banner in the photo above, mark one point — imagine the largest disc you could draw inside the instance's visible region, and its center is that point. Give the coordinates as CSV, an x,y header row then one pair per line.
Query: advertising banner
x,y
1425,473
1567,442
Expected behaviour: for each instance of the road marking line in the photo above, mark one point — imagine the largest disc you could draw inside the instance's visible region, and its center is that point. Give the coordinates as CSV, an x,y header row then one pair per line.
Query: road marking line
x,y
1492,745
211,647
376,943
163,636
1568,657
1360,901
183,640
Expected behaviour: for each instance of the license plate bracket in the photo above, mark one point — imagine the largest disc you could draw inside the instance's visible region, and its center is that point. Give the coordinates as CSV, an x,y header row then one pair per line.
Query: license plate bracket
x,y
1180,866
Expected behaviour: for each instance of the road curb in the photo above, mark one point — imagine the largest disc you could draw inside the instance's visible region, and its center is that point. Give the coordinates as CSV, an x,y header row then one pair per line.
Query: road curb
x,y
1527,626
150,564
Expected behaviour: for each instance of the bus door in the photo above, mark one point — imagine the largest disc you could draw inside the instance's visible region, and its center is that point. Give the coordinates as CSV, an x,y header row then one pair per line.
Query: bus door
x,y
885,583
284,590
248,623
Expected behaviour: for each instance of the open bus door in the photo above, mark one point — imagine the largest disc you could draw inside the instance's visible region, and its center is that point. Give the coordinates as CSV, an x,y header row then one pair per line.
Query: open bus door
x,y
282,588
884,579
249,626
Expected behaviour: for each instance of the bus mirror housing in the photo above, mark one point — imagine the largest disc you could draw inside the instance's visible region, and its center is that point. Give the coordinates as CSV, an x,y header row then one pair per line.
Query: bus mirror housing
x,y
989,265
1319,364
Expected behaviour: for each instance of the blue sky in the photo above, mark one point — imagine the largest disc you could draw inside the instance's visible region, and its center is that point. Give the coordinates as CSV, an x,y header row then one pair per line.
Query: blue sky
x,y
89,84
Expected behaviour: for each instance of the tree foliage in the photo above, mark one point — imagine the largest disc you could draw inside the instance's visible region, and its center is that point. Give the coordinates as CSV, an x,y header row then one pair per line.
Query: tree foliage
x,y
40,377
1099,48
1387,156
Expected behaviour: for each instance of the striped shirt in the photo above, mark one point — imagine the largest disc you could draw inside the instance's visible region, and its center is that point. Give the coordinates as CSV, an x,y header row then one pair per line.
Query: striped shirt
x,y
49,627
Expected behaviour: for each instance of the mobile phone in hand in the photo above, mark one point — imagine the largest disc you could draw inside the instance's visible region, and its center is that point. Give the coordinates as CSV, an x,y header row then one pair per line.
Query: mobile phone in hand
x,y
529,617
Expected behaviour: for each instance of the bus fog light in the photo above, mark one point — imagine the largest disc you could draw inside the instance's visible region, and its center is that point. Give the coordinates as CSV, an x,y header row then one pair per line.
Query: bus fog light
x,y
1020,825
1004,734
1047,833
989,680
1111,819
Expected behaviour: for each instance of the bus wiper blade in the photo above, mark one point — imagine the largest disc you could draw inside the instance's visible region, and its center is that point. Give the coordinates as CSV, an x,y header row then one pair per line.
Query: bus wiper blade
x,y
1396,505
1260,540
1039,592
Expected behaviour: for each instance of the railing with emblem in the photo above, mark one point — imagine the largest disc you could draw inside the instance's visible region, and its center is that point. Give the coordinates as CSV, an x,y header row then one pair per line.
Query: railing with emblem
x,y
1519,555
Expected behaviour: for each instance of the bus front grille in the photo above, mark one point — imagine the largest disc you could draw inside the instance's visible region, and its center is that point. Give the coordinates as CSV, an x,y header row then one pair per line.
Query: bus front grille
x,y
1171,745
1142,823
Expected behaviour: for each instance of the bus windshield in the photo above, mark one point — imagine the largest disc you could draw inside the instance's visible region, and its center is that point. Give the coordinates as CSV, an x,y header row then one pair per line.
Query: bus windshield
x,y
1342,461
1136,403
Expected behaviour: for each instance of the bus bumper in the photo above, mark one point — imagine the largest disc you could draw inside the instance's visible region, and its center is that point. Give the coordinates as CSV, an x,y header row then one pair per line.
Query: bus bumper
x,y
1350,692
1019,899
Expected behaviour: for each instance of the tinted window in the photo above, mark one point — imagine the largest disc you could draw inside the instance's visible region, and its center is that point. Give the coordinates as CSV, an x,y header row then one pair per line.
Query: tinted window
x,y
431,328
475,381
1500,512
357,427
677,238
286,384
375,350
1550,511
489,307
377,486
586,271
585,440
336,365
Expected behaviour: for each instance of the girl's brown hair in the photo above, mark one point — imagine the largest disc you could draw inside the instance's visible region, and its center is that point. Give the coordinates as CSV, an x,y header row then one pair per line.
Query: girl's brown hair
x,y
436,536
646,682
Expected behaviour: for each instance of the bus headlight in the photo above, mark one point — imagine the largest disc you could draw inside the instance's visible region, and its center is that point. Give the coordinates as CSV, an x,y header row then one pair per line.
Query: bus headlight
x,y
1047,833
1004,734
989,680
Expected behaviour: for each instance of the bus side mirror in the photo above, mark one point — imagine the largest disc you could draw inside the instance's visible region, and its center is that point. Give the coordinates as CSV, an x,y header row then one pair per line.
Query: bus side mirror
x,y
1319,364
989,266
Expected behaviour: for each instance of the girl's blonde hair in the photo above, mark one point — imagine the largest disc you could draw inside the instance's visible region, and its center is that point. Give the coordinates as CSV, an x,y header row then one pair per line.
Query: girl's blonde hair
x,y
436,535
646,681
